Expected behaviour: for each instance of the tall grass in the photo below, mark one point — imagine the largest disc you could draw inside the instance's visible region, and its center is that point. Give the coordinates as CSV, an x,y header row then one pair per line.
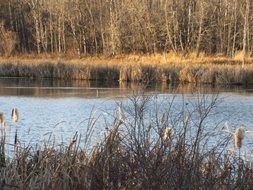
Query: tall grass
x,y
168,67
135,154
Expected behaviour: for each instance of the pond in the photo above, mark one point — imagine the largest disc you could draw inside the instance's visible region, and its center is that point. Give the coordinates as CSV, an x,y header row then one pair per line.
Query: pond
x,y
56,110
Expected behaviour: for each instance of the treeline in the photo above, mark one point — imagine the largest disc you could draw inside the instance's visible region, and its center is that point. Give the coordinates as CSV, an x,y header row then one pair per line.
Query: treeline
x,y
110,27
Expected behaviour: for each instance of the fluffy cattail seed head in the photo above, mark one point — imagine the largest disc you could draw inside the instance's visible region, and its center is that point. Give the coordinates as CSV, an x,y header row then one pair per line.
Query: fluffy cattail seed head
x,y
166,134
14,115
239,136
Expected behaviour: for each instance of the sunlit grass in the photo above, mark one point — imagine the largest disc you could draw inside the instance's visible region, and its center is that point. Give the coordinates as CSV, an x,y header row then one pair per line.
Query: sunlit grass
x,y
167,67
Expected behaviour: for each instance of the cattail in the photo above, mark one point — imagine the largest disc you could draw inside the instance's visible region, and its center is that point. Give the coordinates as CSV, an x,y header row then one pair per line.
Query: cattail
x,y
166,134
1,118
239,136
14,115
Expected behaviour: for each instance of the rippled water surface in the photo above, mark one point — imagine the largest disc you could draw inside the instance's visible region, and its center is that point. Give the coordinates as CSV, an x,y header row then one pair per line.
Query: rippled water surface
x,y
60,108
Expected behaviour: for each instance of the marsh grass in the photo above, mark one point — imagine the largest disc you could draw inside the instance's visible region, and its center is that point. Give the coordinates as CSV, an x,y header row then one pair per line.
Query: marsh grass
x,y
167,67
134,154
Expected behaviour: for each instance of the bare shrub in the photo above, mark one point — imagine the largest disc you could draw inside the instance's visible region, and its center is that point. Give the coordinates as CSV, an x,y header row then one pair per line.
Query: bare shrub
x,y
8,42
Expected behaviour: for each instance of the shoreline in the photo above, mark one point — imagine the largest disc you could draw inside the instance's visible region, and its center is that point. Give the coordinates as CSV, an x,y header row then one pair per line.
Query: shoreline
x,y
168,68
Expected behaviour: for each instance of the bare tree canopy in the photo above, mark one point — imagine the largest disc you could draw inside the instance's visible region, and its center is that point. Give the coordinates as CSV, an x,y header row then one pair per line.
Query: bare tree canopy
x,y
111,27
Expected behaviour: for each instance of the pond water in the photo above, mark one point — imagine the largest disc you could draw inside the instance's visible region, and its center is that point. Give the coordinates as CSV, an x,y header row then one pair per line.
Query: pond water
x,y
58,109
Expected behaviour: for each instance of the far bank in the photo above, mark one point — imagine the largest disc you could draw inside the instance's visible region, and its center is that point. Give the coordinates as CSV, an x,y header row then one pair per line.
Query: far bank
x,y
133,68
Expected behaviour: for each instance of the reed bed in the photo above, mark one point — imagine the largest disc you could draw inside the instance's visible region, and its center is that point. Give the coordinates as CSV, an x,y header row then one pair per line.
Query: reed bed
x,y
135,68
158,149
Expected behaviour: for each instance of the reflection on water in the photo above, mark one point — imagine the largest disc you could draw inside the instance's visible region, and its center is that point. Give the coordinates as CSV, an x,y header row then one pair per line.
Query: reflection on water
x,y
97,89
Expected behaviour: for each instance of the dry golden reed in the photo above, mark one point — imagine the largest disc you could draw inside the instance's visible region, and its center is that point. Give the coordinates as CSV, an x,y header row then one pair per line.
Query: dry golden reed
x,y
94,153
157,67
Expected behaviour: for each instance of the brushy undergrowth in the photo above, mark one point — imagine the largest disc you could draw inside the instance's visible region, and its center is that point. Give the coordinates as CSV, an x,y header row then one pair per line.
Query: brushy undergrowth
x,y
143,68
147,147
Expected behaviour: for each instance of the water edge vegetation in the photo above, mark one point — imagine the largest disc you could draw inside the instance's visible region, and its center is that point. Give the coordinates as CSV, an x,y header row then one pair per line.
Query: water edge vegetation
x,y
167,67
167,151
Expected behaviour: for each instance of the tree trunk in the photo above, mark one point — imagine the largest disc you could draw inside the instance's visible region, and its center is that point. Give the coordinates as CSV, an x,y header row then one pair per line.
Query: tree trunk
x,y
245,30
200,29
36,19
